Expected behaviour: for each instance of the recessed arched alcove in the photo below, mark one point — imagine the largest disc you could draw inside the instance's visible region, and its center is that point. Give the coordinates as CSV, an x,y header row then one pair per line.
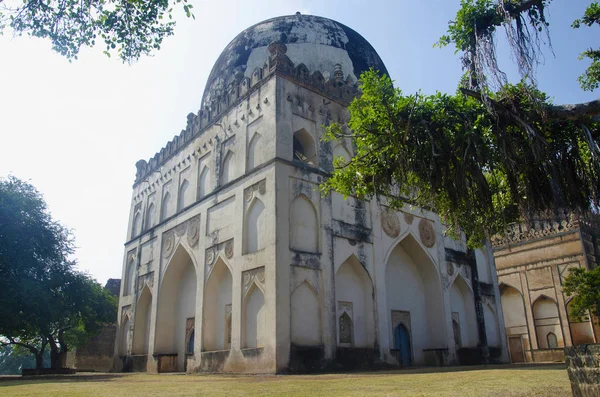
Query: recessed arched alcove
x,y
354,298
183,199
176,304
227,168
253,318
216,332
305,316
129,283
304,225
462,305
141,330
165,211
413,292
124,337
254,152
150,216
254,227
547,321
204,182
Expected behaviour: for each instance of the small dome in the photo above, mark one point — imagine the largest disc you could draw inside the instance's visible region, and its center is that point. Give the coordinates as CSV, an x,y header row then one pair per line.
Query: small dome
x,y
319,43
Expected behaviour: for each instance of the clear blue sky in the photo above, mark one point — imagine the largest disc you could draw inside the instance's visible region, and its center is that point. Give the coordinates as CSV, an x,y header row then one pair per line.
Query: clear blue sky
x,y
77,129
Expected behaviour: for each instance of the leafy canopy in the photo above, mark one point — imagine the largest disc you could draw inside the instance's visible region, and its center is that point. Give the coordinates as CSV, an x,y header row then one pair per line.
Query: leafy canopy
x,y
584,286
131,28
446,152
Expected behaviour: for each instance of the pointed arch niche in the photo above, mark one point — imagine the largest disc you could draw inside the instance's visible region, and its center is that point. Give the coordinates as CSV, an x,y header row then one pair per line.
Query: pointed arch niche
x,y
227,168
462,305
253,318
165,210
547,321
304,147
123,346
581,328
216,332
305,316
353,286
413,286
137,224
513,310
129,278
141,324
304,225
176,303
150,216
254,153
492,329
204,182
183,198
254,226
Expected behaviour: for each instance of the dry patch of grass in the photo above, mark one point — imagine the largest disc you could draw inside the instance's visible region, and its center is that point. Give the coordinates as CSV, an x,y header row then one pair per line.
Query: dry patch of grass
x,y
497,382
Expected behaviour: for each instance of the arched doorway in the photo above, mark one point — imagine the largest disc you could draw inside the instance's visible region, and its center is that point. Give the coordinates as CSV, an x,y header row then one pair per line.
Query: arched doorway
x,y
414,298
176,304
402,345
141,329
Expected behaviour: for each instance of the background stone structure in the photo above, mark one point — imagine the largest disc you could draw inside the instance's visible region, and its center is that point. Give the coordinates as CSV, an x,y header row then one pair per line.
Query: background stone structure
x,y
235,263
532,261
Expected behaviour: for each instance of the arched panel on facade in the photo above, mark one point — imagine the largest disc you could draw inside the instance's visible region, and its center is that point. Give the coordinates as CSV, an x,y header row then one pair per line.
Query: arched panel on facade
x,y
137,224
254,157
216,332
354,297
204,182
513,309
124,343
165,210
305,316
414,294
176,304
545,315
304,147
492,329
150,216
141,324
254,227
462,305
253,318
129,278
341,151
227,168
304,225
581,328
183,199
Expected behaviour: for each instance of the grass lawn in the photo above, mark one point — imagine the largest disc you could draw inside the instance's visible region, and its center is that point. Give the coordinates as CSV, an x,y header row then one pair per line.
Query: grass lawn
x,y
538,380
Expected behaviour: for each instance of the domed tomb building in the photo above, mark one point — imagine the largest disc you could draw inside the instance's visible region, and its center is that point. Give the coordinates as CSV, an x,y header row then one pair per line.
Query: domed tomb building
x,y
235,263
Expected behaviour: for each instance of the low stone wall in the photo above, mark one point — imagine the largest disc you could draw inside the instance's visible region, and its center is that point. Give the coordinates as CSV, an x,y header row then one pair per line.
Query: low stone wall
x,y
548,355
583,366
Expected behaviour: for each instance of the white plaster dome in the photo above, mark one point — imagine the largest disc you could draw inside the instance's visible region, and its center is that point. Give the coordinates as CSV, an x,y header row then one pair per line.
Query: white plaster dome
x,y
321,44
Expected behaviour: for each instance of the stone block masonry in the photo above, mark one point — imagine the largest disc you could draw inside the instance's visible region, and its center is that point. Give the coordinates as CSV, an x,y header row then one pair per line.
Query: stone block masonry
x,y
583,366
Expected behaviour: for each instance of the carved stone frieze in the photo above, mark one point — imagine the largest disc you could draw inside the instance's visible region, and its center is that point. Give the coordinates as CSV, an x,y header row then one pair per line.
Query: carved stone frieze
x,y
212,253
251,191
390,223
190,229
426,233
229,249
256,276
146,279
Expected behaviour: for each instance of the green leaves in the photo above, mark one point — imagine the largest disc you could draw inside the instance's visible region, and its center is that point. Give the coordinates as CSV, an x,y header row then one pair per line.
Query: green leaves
x,y
132,28
479,170
590,79
584,287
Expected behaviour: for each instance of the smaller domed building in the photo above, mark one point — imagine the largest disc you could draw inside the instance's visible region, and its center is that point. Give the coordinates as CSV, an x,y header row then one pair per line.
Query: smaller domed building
x,y
235,263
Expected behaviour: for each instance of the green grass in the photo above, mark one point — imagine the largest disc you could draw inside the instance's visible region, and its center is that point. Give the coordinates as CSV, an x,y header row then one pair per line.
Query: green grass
x,y
497,382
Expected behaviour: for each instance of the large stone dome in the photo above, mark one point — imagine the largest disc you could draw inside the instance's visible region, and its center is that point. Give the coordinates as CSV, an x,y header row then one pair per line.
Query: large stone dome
x,y
318,43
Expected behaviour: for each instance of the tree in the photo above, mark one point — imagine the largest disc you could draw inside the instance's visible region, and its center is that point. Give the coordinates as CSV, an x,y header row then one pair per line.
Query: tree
x,y
492,154
44,300
584,286
131,28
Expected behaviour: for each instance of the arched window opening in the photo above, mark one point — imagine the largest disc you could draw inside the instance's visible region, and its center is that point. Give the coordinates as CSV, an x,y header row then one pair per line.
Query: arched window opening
x,y
137,221
204,183
552,340
166,202
150,216
182,199
346,329
304,147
